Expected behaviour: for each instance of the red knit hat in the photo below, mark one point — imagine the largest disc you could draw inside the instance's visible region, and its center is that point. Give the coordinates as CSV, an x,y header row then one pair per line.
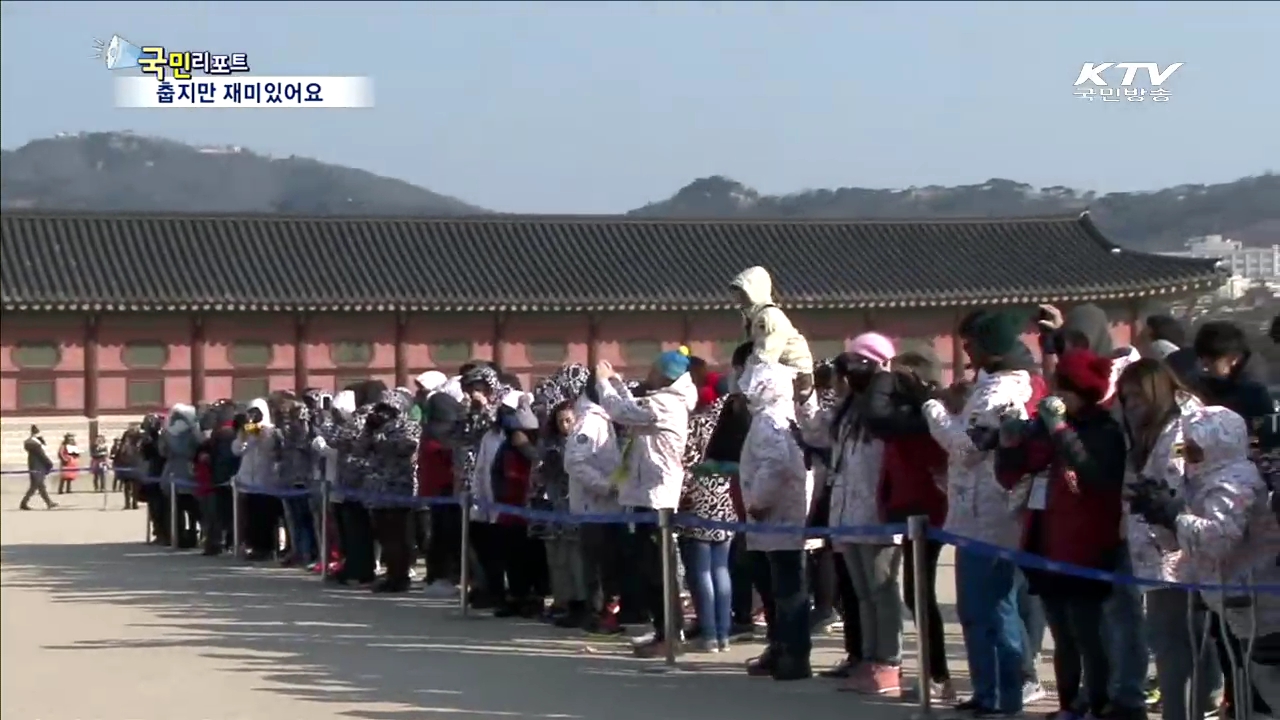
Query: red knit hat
x,y
1085,374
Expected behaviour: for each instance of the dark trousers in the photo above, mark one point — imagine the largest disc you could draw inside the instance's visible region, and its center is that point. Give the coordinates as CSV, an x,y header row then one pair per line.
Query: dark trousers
x,y
823,582
938,670
780,580
357,540
1229,645
740,576
99,478
444,544
1079,652
157,510
261,518
507,558
646,543
602,559
391,526
188,521
36,486
131,491
212,528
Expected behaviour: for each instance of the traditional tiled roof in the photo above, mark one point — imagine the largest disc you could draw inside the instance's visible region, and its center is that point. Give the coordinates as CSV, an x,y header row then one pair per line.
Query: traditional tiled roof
x,y
79,261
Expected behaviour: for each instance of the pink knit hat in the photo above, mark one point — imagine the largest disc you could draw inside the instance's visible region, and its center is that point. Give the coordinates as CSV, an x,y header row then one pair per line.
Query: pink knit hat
x,y
874,347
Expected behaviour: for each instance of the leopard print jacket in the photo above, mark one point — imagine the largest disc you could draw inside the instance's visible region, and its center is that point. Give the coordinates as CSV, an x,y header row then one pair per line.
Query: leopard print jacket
x,y
706,497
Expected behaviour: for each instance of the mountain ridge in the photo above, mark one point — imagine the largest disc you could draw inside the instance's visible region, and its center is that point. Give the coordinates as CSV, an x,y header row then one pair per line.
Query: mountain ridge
x,y
123,172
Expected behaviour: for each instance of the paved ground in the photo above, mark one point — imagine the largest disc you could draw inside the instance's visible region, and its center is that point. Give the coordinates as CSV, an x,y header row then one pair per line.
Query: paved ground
x,y
97,625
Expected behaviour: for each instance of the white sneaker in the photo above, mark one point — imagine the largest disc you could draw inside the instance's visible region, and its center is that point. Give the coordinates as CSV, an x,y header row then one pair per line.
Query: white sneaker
x,y
442,589
413,574
1032,691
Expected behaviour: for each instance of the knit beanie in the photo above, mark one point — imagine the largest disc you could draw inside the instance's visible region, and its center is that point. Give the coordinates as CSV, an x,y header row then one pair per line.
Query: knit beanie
x,y
874,347
674,363
1085,374
997,334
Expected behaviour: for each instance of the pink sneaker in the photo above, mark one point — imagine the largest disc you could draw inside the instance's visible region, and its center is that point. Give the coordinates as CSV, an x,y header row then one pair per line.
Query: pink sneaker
x,y
876,679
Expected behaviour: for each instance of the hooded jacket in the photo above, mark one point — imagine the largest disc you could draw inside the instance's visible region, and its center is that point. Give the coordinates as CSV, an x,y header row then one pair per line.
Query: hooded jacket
x,y
658,429
857,462
776,486
592,458
258,451
1152,550
435,454
179,442
297,457
978,506
389,448
1226,531
776,339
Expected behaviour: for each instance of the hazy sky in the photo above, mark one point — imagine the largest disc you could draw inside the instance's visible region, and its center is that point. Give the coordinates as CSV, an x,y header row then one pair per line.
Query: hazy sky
x,y
601,107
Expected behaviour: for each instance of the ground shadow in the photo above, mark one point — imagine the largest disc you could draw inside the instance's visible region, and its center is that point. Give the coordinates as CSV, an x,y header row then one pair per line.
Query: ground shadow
x,y
419,655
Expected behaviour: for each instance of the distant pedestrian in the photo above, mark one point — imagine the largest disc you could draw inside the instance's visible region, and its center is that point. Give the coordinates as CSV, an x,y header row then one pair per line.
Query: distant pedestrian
x,y
68,463
39,465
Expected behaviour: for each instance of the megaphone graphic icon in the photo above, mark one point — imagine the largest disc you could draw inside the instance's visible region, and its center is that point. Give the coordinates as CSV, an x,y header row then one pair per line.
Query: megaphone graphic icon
x,y
122,54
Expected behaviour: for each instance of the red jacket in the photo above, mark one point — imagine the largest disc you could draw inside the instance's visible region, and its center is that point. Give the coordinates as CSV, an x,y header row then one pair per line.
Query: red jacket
x,y
202,473
435,468
513,487
1080,522
913,479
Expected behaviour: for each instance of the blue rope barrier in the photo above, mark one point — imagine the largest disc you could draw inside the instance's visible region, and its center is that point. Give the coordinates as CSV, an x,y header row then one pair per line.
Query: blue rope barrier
x,y
685,520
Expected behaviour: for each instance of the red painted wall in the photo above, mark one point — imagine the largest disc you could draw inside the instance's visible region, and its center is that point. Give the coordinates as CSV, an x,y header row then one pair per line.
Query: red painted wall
x,y
526,345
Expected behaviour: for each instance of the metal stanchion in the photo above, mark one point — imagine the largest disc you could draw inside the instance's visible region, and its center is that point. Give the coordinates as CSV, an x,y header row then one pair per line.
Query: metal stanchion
x,y
324,530
918,532
173,515
464,569
670,590
235,520
146,514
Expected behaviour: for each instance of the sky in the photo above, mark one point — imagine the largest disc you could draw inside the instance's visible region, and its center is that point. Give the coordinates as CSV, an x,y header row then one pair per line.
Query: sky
x,y
600,107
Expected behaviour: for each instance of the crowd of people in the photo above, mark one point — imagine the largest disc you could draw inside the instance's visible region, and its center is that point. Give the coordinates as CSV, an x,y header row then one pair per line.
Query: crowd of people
x,y
1152,463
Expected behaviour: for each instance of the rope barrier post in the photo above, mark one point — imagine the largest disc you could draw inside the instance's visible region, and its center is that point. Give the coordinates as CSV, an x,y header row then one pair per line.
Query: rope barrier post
x,y
235,520
464,568
917,532
324,530
173,515
146,514
670,590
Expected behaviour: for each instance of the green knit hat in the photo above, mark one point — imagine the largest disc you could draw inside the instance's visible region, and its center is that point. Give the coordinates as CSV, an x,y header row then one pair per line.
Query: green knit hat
x,y
997,333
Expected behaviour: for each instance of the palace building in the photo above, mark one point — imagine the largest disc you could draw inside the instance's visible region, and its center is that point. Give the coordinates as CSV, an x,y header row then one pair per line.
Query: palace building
x,y
107,316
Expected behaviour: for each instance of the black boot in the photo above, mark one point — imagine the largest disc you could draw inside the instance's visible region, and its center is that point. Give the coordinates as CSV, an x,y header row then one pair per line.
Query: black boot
x,y
790,667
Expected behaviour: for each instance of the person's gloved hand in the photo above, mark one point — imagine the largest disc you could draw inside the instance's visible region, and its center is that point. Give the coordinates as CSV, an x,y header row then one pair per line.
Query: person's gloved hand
x,y
1156,502
1053,413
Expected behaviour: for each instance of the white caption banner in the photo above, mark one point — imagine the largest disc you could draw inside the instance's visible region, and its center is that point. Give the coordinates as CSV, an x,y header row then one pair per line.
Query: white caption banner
x,y
244,91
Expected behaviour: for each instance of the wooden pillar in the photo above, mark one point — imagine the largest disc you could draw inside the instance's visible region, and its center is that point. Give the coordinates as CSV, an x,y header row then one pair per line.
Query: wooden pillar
x,y
401,352
868,321
686,329
91,374
197,359
593,340
957,348
499,331
300,342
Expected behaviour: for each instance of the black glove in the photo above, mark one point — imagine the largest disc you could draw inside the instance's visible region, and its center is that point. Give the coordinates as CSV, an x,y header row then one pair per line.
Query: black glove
x,y
1156,503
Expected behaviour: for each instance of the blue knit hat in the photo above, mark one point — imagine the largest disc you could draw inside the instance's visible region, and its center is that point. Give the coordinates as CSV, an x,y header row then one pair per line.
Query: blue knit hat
x,y
674,363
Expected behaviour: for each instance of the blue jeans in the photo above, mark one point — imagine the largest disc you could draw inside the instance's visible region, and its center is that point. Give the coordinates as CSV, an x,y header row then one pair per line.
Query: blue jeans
x,y
1123,625
297,522
1031,610
986,601
706,568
